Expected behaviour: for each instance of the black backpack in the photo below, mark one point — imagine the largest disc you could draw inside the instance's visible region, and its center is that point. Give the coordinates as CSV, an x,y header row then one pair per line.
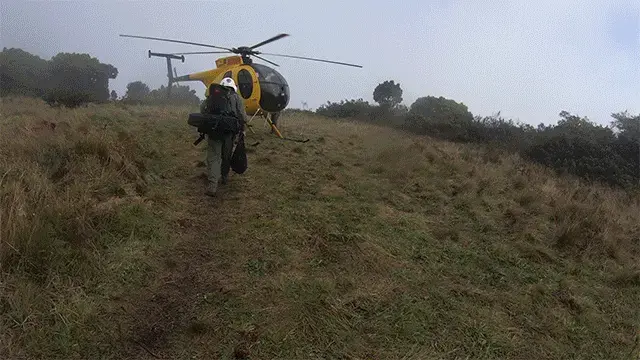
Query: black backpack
x,y
220,117
219,101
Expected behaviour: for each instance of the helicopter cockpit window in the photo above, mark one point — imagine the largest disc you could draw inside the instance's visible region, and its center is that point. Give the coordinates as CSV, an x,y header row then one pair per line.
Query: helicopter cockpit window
x,y
245,83
267,75
274,90
270,80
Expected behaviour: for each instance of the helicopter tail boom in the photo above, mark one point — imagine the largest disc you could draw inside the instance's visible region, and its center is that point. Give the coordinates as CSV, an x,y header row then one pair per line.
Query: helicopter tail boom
x,y
183,78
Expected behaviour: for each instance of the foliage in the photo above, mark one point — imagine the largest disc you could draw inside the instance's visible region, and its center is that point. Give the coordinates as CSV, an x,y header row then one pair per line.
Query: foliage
x,y
68,79
594,152
76,79
137,92
575,145
400,110
114,95
140,93
180,94
345,109
22,73
627,142
388,94
439,110
296,111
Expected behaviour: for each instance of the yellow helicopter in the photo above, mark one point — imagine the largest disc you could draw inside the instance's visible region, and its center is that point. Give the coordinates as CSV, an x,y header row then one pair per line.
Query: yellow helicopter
x,y
264,90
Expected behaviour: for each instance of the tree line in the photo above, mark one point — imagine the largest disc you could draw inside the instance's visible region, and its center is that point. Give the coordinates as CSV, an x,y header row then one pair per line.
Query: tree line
x,y
574,145
140,93
72,79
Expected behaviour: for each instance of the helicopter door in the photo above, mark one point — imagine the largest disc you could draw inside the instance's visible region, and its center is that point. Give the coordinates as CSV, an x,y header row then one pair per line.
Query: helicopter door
x,y
248,89
245,83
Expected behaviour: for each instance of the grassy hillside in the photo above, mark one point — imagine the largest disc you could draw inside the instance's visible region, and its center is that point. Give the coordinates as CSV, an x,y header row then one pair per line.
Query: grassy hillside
x,y
364,243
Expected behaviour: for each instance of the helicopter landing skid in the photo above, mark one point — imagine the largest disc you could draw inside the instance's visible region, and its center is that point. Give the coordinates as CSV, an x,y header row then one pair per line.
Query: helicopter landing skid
x,y
296,140
274,129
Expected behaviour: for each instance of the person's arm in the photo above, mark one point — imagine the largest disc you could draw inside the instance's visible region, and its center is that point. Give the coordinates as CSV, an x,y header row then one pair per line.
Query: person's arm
x,y
243,113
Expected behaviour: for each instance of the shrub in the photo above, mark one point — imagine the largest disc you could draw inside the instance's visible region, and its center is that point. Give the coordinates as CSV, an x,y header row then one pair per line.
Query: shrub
x,y
593,152
440,117
346,109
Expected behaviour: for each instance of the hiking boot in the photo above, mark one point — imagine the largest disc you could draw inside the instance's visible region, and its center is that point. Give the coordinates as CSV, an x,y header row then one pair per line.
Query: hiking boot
x,y
211,189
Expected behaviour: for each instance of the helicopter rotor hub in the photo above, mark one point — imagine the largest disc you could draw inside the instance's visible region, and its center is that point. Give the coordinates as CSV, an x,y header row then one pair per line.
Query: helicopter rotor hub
x,y
245,51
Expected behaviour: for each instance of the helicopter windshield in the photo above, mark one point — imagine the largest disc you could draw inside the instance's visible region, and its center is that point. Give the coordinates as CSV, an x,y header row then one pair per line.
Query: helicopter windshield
x,y
267,74
273,87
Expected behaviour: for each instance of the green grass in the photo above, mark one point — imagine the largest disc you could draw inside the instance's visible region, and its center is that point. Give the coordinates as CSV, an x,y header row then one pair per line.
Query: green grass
x,y
363,243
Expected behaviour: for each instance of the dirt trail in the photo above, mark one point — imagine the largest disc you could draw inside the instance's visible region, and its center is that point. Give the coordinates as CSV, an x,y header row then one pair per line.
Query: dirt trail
x,y
158,315
203,301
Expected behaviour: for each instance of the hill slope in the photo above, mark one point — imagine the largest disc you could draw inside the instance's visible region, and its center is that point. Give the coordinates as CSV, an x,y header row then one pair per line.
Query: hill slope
x,y
362,243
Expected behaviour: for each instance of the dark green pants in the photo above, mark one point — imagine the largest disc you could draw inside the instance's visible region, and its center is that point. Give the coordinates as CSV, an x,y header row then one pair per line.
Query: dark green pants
x,y
219,151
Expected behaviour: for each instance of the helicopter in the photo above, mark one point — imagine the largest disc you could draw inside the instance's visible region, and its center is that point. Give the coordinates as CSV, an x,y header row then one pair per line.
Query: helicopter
x,y
264,90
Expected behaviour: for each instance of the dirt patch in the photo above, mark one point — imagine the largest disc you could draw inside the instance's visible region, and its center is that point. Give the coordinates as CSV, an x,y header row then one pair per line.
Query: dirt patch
x,y
160,311
158,314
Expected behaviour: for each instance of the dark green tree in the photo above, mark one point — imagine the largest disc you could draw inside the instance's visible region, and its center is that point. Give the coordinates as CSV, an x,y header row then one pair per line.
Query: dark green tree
x,y
114,95
581,147
345,109
22,73
76,79
628,125
440,109
440,116
180,94
388,94
627,143
137,92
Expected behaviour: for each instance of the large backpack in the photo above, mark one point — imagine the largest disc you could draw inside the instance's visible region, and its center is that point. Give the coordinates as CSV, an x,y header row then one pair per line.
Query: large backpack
x,y
219,100
220,117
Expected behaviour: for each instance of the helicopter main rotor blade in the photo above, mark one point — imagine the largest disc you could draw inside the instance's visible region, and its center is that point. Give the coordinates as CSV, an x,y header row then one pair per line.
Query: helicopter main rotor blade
x,y
307,58
263,59
200,53
277,37
175,41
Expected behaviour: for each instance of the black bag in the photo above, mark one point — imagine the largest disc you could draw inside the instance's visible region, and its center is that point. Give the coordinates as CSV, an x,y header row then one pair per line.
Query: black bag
x,y
220,116
219,101
239,157
214,124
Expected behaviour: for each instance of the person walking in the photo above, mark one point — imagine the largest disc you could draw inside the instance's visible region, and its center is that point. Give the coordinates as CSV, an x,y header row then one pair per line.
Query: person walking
x,y
220,143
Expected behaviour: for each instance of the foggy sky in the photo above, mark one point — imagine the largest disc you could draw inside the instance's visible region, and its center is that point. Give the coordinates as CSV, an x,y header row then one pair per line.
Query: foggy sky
x,y
528,59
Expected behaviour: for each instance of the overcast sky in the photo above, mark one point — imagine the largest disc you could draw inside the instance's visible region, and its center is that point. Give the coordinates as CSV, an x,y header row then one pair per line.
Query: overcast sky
x,y
528,59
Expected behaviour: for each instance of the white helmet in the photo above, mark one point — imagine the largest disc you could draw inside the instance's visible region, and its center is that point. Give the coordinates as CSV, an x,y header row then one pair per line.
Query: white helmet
x,y
229,83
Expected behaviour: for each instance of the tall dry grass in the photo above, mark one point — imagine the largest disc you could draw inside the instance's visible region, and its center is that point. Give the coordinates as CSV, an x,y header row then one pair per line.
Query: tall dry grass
x,y
75,185
584,221
547,265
